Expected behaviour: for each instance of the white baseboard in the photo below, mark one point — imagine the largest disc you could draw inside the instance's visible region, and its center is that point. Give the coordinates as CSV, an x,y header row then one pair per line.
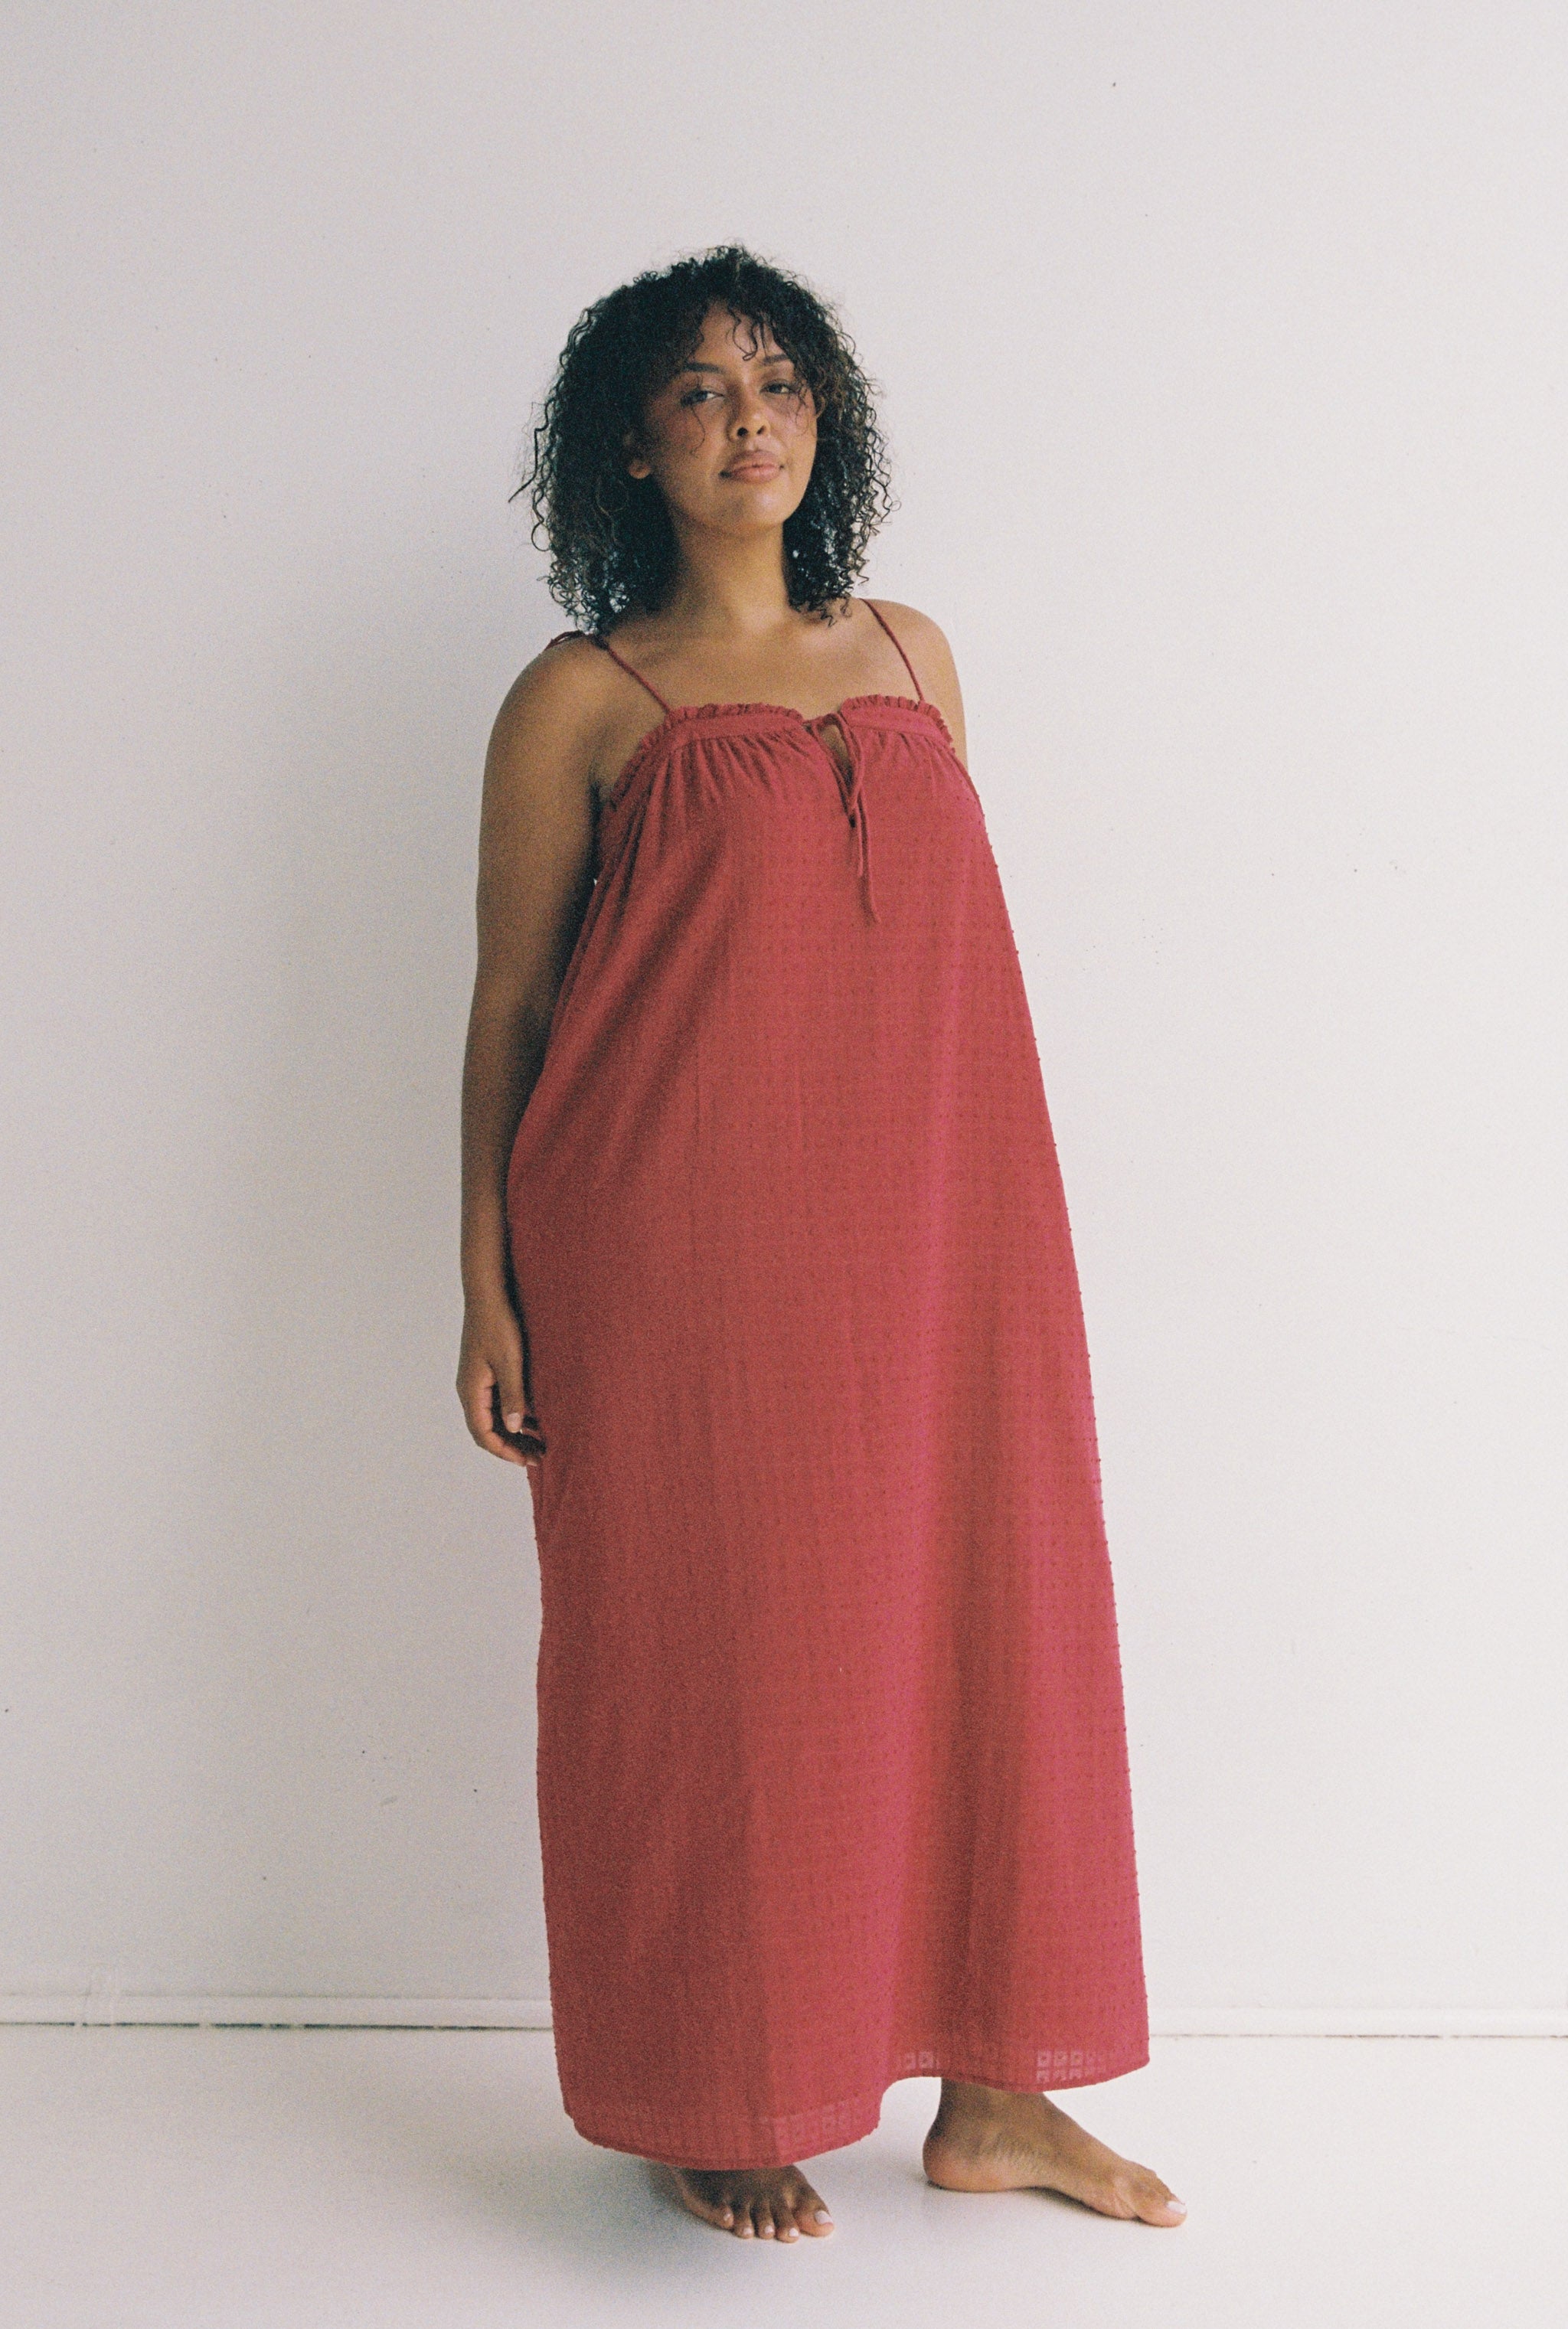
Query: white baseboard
x,y
102,2006
1360,2022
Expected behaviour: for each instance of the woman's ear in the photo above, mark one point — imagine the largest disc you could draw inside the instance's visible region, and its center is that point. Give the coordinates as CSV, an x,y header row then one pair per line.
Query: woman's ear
x,y
636,465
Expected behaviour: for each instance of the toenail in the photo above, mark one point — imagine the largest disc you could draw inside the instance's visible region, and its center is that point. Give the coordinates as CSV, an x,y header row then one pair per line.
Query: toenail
x,y
1179,2205
822,2217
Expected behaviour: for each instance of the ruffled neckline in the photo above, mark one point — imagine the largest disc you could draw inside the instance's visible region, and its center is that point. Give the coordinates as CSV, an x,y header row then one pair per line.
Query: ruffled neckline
x,y
682,714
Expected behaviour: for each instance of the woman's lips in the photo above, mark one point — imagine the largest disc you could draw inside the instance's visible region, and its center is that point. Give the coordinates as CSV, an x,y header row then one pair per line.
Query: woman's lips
x,y
752,470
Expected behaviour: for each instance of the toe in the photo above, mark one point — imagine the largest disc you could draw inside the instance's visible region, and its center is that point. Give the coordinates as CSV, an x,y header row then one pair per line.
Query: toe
x,y
811,2213
1155,2201
701,2198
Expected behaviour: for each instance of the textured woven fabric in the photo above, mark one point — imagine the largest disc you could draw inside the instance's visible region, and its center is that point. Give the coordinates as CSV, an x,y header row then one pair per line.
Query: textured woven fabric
x,y
833,1780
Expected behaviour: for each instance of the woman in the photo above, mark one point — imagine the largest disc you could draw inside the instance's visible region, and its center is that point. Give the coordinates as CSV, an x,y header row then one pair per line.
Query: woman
x,y
770,1285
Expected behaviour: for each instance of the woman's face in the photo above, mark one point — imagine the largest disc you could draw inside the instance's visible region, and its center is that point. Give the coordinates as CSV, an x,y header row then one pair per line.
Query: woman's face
x,y
731,439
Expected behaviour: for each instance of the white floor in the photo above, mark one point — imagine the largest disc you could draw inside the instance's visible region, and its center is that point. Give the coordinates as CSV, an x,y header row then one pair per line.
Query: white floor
x,y
186,2179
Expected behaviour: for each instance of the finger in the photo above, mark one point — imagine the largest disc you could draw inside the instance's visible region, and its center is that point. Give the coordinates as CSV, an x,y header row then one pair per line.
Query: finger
x,y
511,1397
518,1424
510,1402
494,1444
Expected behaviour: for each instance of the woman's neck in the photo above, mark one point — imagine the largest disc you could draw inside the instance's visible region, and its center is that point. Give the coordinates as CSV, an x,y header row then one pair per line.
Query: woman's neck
x,y
727,588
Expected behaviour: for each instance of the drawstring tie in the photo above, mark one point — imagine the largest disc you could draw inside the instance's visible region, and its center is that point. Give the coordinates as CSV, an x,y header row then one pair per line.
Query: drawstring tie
x,y
853,799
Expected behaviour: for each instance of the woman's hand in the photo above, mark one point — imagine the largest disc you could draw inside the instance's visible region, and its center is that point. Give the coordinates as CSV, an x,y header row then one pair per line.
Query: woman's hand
x,y
490,1383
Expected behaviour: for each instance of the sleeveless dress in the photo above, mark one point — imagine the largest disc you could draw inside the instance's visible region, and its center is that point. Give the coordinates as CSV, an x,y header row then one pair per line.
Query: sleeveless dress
x,y
831,1766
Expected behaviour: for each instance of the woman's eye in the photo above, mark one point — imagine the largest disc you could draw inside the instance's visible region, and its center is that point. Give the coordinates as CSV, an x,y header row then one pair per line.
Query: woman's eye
x,y
774,388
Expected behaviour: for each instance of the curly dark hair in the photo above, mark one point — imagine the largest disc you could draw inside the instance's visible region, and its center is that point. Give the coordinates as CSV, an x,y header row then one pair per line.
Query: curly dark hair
x,y
612,549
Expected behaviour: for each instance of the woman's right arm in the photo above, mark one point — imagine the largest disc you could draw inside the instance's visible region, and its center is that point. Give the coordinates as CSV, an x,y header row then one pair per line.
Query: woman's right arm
x,y
535,878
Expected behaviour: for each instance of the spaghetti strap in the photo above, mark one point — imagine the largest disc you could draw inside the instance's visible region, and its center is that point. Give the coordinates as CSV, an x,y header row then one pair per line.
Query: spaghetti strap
x,y
887,626
600,641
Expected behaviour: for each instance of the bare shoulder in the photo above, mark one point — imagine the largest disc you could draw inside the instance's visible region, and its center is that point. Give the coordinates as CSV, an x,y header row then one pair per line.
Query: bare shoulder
x,y
915,629
536,818
925,643
557,703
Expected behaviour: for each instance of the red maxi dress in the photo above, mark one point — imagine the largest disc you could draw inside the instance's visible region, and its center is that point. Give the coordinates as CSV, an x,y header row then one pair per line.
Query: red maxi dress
x,y
832,1765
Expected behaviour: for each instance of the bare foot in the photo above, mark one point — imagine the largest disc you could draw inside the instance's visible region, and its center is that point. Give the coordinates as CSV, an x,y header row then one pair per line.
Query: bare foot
x,y
762,2203
983,2140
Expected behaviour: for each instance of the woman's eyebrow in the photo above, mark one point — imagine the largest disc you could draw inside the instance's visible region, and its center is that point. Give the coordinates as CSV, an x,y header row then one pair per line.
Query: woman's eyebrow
x,y
695,366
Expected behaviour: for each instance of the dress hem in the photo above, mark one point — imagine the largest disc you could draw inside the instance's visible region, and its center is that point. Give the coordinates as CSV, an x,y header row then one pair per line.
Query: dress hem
x,y
783,2141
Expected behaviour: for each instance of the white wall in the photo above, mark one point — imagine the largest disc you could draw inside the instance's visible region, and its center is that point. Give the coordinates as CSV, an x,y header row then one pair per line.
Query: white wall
x,y
1223,358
